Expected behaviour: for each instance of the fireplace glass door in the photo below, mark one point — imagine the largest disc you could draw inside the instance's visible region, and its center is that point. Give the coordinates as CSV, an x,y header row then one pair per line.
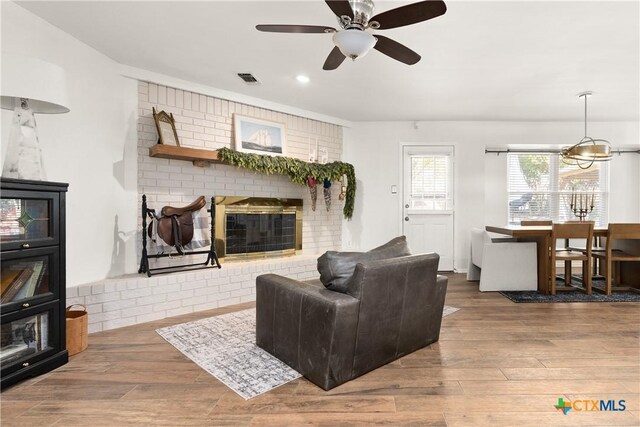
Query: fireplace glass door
x,y
257,227
256,233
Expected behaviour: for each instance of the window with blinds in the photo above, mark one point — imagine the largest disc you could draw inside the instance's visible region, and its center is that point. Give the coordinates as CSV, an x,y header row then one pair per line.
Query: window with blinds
x,y
541,186
431,182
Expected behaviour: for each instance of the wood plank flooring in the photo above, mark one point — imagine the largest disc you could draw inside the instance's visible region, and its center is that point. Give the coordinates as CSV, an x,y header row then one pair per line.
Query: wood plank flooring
x,y
497,363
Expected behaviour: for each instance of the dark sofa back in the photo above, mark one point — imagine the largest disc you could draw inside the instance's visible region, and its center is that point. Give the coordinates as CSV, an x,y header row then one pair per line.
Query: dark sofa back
x,y
401,301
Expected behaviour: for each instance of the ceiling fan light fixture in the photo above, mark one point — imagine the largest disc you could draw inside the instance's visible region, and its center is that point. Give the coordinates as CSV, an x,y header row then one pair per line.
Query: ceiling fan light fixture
x,y
354,43
355,18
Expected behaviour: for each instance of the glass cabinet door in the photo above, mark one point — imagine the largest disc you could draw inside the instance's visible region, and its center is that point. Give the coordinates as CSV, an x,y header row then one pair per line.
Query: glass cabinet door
x,y
24,278
26,338
26,221
26,275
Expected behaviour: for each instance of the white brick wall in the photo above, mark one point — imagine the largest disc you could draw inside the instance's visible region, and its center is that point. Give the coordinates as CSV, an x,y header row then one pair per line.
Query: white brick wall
x,y
206,122
132,299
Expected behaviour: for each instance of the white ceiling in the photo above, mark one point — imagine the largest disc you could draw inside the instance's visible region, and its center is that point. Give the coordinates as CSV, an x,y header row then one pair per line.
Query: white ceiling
x,y
480,61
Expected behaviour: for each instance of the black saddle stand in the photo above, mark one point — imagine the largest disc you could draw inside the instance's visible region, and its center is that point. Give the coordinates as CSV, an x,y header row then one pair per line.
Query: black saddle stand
x,y
212,257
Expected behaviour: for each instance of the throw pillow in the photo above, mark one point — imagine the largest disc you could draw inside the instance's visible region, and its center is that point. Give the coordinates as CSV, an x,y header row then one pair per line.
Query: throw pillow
x,y
336,268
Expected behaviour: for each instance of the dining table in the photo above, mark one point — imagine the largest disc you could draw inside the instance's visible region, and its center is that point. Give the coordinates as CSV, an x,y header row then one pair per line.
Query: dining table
x,y
541,235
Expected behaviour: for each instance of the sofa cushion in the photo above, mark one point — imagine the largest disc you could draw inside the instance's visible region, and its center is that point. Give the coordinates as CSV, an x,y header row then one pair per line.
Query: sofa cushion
x,y
394,248
336,268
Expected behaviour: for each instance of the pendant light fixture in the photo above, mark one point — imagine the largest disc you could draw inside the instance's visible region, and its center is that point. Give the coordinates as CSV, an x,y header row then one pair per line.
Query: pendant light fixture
x,y
588,150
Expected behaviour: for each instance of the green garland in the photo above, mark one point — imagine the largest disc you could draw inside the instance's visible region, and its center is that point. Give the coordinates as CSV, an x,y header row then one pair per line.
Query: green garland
x,y
297,171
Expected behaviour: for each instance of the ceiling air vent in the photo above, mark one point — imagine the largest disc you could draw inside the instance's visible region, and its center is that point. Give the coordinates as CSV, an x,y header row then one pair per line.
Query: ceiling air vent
x,y
248,78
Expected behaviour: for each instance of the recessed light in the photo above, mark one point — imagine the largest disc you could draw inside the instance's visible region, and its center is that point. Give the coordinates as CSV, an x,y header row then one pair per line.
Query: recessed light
x,y
302,78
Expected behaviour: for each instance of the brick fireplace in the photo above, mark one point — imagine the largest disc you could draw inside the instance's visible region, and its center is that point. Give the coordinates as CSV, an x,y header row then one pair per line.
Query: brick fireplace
x,y
206,122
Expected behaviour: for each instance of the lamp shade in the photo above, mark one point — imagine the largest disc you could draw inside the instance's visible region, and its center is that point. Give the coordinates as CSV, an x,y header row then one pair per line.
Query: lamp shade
x,y
42,83
354,43
589,150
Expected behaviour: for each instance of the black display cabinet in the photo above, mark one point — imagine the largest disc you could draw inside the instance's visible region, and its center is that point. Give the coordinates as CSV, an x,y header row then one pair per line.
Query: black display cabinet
x,y
32,302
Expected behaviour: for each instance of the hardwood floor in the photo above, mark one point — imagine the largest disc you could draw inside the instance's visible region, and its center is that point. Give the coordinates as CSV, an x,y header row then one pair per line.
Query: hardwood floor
x,y
497,363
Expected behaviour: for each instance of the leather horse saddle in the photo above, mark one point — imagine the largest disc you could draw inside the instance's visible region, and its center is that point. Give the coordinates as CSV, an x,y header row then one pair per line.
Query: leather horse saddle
x,y
175,225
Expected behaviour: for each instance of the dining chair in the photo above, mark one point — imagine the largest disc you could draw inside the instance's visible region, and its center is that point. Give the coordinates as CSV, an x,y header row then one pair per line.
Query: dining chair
x,y
611,258
583,230
595,247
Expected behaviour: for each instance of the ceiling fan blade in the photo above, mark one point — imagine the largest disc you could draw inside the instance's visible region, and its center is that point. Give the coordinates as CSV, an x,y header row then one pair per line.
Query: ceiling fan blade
x,y
295,29
410,14
334,59
340,7
395,50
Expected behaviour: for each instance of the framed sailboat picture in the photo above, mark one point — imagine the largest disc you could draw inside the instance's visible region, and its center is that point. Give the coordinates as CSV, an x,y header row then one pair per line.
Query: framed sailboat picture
x,y
259,136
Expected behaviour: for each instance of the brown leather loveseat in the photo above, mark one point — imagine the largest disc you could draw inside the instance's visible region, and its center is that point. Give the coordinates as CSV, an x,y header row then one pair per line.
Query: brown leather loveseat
x,y
390,308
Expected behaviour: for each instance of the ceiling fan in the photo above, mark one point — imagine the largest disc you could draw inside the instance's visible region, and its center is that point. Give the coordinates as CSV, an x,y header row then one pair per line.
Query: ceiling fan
x,y
354,18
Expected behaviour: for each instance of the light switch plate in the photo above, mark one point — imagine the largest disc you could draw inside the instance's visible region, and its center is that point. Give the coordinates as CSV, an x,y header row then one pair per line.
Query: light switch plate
x,y
394,189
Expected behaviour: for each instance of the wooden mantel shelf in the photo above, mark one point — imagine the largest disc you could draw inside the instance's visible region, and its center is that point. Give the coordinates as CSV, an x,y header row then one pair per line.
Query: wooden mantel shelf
x,y
199,156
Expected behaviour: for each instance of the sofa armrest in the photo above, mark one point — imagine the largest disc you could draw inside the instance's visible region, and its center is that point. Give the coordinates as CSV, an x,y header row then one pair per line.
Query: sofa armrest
x,y
308,327
442,281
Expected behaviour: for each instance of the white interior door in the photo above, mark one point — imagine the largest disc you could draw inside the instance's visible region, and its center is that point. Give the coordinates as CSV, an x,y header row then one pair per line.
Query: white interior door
x,y
427,200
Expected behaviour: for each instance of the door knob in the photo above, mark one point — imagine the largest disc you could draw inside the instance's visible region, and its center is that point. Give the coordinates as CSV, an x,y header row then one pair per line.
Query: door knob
x,y
406,206
406,218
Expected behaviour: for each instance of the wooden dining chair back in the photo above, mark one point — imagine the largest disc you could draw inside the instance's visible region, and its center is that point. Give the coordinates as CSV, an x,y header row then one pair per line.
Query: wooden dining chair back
x,y
581,246
583,230
612,257
535,222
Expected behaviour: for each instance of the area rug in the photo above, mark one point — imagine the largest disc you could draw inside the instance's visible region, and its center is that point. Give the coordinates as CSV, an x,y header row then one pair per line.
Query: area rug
x,y
570,296
449,310
573,296
225,347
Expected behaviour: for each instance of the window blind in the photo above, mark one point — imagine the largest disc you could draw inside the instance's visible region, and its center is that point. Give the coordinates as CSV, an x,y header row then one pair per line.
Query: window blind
x,y
431,182
541,186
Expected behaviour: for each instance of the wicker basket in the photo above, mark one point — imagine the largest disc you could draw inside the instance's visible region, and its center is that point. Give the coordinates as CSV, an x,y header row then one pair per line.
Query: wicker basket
x,y
77,329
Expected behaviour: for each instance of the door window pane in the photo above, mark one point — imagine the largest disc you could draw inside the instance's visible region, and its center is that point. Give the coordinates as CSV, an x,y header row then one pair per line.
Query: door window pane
x,y
430,182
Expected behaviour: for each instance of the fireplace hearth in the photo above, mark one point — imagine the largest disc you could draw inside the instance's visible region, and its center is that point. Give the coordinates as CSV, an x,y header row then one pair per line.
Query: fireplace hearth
x,y
254,227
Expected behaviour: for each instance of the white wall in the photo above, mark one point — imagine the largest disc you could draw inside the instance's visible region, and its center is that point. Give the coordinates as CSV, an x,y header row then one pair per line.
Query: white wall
x,y
93,147
480,179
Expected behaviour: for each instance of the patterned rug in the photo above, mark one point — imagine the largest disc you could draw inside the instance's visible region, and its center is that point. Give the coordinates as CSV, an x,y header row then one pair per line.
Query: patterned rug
x,y
449,310
573,296
225,347
570,296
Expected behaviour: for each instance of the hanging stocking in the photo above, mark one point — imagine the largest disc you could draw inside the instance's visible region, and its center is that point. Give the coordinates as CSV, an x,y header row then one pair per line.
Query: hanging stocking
x,y
313,190
327,193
